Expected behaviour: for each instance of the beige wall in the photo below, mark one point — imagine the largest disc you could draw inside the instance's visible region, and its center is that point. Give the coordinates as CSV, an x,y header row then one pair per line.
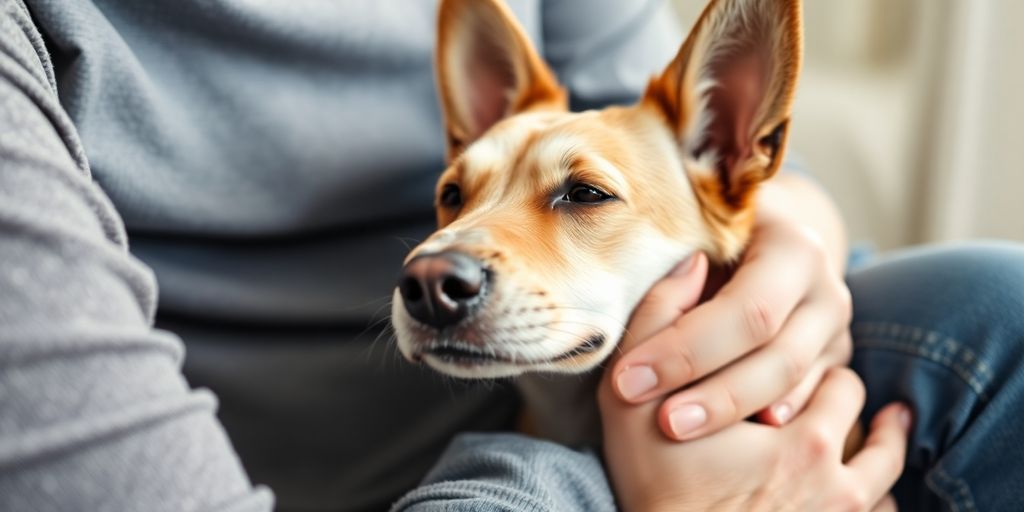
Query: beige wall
x,y
907,113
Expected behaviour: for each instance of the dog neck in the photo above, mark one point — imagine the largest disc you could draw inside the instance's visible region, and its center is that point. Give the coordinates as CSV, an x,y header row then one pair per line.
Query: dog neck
x,y
562,408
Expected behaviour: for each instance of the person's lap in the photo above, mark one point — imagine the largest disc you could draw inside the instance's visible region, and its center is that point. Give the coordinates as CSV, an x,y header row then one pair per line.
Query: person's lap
x,y
941,328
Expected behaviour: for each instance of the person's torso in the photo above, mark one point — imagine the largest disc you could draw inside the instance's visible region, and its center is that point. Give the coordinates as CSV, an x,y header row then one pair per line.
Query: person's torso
x,y
270,161
267,157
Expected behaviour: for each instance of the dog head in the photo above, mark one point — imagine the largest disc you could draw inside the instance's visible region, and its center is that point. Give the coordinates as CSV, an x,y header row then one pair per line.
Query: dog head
x,y
552,224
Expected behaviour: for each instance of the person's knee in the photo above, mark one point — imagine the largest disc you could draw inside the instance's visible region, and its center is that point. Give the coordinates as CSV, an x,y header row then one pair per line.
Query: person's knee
x,y
962,305
942,328
984,269
977,279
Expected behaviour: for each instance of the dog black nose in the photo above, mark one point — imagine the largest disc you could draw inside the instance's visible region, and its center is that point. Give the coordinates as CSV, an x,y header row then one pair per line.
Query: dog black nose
x,y
438,289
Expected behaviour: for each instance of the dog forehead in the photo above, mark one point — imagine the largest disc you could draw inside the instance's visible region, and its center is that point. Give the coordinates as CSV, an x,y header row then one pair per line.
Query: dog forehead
x,y
571,150
539,147
502,144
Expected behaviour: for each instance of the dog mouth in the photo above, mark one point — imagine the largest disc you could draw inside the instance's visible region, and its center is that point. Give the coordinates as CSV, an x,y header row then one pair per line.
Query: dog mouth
x,y
461,354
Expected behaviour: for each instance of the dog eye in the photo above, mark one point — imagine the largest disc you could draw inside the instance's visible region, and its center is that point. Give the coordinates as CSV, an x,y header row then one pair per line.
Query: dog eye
x,y
585,194
451,196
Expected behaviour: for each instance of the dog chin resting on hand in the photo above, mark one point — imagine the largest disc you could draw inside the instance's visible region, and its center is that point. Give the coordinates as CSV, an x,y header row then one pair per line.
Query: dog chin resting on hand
x,y
552,225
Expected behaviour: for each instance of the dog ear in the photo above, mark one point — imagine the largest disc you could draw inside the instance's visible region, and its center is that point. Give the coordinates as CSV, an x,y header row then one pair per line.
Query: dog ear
x,y
487,70
727,95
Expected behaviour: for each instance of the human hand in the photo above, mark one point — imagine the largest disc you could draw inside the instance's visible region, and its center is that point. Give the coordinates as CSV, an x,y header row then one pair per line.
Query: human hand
x,y
748,466
781,321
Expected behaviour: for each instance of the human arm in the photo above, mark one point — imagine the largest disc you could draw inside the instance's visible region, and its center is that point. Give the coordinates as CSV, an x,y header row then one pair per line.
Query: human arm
x,y
94,412
513,473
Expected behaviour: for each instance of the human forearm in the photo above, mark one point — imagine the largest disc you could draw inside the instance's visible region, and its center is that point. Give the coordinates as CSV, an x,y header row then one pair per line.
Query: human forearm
x,y
94,412
510,472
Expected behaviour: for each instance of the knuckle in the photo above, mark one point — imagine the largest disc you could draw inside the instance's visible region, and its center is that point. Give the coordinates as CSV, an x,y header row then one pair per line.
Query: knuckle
x,y
852,499
818,444
731,402
859,390
812,244
794,368
759,320
844,301
843,348
686,361
851,380
654,297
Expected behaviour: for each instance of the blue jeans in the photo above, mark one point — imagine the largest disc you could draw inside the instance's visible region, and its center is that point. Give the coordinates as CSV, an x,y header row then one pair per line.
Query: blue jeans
x,y
943,330
940,328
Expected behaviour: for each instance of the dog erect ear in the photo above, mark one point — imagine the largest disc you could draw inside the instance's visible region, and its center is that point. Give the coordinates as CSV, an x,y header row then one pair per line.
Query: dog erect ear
x,y
728,93
487,70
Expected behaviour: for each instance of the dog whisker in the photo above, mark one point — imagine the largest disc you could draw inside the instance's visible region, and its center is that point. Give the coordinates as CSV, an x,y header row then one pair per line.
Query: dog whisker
x,y
557,307
408,242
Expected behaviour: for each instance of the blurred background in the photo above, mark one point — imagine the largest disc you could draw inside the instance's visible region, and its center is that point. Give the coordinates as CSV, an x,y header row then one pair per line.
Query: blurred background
x,y
907,112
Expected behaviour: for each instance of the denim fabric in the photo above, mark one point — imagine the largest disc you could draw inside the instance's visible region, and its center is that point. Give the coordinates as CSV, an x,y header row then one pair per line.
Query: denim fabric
x,y
940,328
943,329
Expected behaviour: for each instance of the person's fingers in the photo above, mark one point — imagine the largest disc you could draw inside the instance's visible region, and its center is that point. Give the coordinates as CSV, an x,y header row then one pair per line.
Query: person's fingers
x,y
667,300
664,302
789,406
745,314
832,410
888,504
727,396
878,465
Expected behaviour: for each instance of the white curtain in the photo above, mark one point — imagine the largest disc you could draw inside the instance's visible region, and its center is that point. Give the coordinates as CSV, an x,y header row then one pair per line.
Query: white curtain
x,y
976,178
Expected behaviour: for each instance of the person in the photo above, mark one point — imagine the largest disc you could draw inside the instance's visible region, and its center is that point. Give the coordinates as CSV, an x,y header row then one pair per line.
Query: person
x,y
263,160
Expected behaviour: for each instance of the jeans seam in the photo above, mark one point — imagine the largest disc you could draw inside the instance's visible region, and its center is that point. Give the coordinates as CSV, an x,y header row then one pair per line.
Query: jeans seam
x,y
962,501
935,347
944,351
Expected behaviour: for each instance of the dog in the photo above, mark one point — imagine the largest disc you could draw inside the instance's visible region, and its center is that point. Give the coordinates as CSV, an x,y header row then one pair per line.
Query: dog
x,y
552,225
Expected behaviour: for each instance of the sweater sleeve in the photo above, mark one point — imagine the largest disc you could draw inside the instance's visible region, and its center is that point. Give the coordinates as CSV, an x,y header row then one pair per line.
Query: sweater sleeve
x,y
511,473
94,411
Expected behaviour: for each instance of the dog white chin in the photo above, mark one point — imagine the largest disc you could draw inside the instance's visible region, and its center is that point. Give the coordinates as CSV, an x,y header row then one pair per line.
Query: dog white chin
x,y
500,369
495,370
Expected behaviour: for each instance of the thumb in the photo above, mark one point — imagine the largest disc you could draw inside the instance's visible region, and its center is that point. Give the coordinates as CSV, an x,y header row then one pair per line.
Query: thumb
x,y
667,300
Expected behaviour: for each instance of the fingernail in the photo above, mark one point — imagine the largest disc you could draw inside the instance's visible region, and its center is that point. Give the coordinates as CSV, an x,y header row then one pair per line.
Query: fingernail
x,y
684,267
782,412
686,419
905,417
635,381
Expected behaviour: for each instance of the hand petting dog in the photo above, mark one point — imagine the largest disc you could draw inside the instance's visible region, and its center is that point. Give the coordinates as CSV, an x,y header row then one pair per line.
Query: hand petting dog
x,y
745,466
781,322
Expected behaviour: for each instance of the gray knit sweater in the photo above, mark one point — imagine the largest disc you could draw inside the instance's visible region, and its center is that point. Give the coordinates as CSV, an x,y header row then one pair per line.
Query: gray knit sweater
x,y
262,161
